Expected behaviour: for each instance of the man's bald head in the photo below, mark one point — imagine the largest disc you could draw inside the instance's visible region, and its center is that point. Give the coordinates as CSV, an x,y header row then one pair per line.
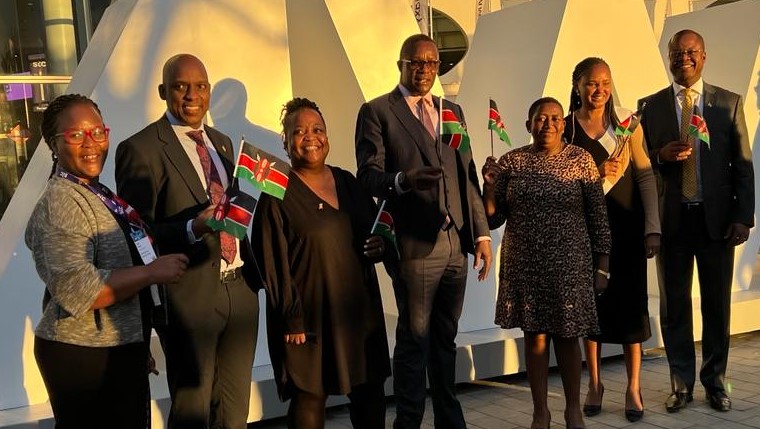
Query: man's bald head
x,y
186,89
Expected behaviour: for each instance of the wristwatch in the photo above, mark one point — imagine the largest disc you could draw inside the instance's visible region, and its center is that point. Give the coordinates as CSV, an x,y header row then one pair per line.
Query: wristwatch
x,y
606,274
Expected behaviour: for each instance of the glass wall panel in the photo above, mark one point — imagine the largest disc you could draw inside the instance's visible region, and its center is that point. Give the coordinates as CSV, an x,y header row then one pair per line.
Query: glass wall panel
x,y
41,42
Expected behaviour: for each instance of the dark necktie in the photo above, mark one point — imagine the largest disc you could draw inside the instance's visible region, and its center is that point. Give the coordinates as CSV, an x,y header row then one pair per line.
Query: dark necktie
x,y
689,172
215,190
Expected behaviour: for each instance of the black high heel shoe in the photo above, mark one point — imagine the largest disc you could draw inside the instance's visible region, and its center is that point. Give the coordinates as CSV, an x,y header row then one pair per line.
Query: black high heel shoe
x,y
634,415
593,410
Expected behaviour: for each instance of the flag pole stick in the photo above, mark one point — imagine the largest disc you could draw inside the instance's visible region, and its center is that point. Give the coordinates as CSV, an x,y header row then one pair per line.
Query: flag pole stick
x,y
491,132
237,160
377,218
430,17
439,142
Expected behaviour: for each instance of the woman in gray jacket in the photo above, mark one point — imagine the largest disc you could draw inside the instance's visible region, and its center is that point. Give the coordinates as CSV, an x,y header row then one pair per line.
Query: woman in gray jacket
x,y
94,255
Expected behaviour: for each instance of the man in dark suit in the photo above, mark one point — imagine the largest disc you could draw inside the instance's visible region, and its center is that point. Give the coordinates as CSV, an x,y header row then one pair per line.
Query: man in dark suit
x,y
173,173
707,207
433,194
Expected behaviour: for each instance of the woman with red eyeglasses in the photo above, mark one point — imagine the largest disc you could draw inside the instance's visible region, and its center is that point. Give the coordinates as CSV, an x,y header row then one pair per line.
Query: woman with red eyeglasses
x,y
95,257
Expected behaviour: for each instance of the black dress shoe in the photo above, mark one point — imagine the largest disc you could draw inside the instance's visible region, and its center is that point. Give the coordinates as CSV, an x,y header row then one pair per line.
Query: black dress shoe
x,y
678,400
719,401
593,410
633,415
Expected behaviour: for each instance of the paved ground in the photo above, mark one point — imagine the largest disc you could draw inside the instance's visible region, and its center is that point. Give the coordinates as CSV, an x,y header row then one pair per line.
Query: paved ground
x,y
504,402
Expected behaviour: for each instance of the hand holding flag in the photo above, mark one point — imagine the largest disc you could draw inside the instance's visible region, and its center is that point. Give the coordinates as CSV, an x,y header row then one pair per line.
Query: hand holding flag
x,y
383,227
234,213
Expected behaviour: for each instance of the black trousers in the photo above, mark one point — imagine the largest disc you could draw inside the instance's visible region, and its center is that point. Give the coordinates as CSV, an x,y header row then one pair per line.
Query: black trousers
x,y
209,363
715,263
429,295
95,387
366,409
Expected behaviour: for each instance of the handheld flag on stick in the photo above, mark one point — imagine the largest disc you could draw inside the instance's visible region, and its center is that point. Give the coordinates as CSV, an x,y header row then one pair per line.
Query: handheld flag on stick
x,y
627,126
698,127
453,132
625,129
263,170
234,213
496,125
383,227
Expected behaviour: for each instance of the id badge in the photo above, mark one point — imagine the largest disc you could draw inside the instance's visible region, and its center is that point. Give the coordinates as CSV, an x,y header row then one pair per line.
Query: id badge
x,y
148,255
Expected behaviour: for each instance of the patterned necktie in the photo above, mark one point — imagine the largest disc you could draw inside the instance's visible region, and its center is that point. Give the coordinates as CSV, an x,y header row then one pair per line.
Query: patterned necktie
x,y
215,190
689,168
425,117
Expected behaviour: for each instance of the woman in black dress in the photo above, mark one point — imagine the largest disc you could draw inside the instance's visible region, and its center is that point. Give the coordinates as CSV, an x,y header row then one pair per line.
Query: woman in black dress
x,y
325,320
631,198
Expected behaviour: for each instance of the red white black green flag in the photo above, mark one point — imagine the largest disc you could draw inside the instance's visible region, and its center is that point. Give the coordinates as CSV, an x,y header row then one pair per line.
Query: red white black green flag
x,y
627,126
698,127
496,125
263,170
234,213
383,227
453,131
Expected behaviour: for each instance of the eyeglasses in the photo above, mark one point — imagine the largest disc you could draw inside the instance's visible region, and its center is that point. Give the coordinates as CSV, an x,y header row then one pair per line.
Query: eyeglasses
x,y
691,53
420,64
76,137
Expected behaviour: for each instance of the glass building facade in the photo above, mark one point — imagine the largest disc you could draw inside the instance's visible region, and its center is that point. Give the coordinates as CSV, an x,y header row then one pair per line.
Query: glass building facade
x,y
41,42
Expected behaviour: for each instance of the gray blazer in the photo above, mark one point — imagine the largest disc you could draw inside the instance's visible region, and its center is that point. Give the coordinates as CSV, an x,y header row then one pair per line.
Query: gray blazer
x,y
76,243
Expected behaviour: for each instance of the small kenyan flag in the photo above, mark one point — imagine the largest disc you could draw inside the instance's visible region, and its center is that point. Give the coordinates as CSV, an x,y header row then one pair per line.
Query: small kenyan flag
x,y
264,170
453,132
698,127
495,124
384,227
233,214
627,126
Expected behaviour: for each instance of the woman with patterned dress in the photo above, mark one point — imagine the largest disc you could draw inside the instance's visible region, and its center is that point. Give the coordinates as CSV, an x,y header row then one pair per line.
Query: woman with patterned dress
x,y
631,197
554,253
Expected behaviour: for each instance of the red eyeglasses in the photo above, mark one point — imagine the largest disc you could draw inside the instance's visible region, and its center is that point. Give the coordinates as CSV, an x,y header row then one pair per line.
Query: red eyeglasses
x,y
76,137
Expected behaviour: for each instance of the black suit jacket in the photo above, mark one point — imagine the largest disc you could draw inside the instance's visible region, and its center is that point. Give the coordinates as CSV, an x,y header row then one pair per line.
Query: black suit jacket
x,y
728,184
390,139
155,176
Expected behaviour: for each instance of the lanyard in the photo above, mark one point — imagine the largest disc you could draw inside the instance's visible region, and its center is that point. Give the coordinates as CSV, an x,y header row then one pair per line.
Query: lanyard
x,y
116,205
139,233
